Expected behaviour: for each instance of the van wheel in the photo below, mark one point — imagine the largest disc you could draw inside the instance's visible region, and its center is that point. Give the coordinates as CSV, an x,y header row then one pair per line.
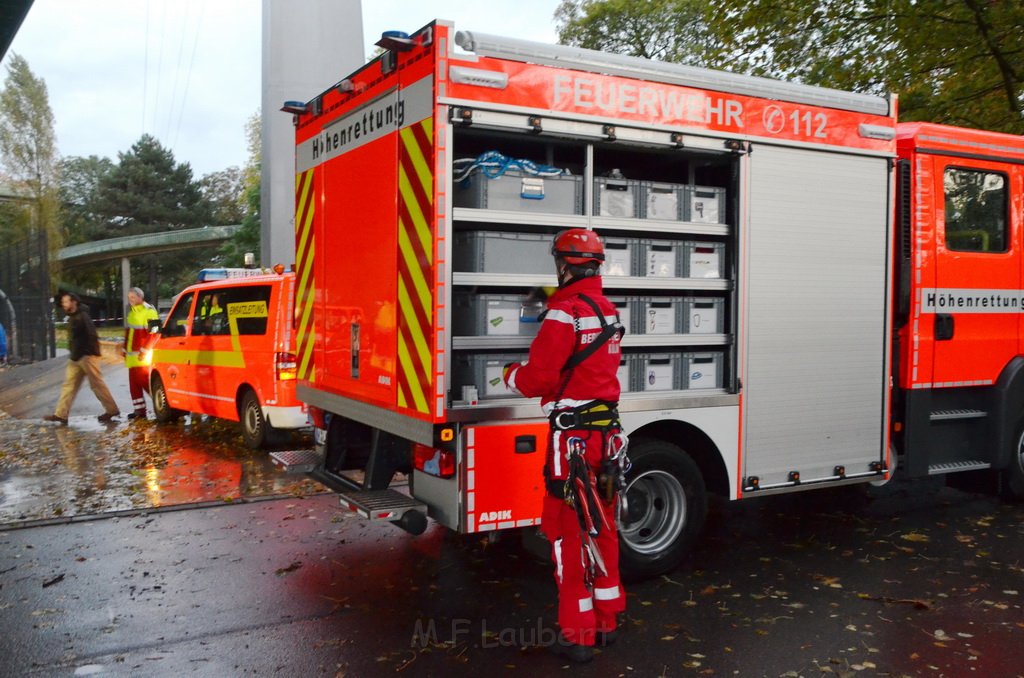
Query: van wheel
x,y
163,411
666,504
256,430
1012,481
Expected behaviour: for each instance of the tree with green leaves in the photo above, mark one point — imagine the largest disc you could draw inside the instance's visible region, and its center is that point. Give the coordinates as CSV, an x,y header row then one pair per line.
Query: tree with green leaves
x,y
247,239
28,154
223,190
149,192
950,61
79,186
666,30
959,62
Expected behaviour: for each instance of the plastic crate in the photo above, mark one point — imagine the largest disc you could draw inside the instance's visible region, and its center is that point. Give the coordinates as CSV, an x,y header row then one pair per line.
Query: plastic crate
x,y
478,315
625,374
702,370
703,259
703,315
616,198
661,259
518,192
502,252
658,371
620,255
624,306
663,201
485,373
658,315
705,205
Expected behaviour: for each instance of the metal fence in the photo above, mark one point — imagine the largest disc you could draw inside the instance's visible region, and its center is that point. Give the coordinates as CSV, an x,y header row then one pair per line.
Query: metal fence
x,y
26,302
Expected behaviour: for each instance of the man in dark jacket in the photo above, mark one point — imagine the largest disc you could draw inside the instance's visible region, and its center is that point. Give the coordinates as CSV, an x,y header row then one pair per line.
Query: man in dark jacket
x,y
84,363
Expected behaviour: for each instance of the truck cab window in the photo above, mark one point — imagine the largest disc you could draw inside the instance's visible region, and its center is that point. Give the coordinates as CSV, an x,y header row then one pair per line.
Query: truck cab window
x,y
177,321
976,210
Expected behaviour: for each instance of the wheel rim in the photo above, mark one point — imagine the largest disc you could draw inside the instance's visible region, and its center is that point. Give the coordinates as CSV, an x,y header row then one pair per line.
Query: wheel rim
x,y
159,398
655,512
253,420
1020,453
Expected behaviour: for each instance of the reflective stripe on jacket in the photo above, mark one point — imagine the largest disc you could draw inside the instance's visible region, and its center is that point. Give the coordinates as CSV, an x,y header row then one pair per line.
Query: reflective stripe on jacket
x,y
593,379
136,332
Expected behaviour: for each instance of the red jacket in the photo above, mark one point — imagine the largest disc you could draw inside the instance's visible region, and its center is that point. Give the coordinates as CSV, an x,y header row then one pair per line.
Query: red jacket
x,y
593,379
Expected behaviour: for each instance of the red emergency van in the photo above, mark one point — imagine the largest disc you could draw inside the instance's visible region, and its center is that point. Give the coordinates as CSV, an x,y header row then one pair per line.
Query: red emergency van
x,y
227,350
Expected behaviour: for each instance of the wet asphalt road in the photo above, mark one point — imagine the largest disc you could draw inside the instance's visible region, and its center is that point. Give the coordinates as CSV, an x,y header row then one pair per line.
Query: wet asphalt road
x,y
904,580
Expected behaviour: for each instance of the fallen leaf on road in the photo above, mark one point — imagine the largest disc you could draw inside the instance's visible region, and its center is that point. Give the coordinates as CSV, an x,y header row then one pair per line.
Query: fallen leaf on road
x,y
56,580
915,536
291,568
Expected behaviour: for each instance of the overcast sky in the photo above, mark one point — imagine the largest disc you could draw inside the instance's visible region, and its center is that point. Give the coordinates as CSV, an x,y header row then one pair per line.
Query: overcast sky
x,y
188,71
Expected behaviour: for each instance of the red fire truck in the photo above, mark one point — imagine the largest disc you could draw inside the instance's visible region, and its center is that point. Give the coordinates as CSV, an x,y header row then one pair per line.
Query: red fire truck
x,y
815,295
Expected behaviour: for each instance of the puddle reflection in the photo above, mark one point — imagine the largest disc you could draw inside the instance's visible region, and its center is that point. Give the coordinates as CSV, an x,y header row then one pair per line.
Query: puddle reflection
x,y
86,468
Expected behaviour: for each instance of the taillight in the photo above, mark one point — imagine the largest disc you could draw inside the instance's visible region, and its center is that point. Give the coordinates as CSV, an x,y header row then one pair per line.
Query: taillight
x,y
432,461
286,366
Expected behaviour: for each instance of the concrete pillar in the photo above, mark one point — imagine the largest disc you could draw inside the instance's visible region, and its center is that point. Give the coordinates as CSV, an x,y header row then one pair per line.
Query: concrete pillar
x,y
307,47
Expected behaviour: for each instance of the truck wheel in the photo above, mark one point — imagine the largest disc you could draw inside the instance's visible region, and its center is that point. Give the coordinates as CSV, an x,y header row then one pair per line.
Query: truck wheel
x,y
1013,475
666,507
256,430
163,411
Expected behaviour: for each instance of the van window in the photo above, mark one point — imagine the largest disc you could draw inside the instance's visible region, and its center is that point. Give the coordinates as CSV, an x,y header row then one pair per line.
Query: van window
x,y
177,320
247,306
976,210
210,318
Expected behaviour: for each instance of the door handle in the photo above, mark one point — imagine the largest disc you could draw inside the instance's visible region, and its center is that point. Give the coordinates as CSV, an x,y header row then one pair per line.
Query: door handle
x,y
943,327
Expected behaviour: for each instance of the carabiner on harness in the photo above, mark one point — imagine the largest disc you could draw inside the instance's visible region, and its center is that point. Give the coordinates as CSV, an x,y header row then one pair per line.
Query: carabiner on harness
x,y
611,478
581,490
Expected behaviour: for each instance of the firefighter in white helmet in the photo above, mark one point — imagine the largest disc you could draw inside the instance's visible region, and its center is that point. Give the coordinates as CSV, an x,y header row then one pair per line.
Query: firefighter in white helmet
x,y
572,366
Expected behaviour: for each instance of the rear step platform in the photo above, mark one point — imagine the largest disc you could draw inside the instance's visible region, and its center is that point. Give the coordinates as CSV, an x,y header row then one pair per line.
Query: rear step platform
x,y
381,504
296,461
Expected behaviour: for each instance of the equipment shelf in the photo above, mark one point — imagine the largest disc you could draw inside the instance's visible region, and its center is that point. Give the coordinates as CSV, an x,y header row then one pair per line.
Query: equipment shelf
x,y
610,282
629,341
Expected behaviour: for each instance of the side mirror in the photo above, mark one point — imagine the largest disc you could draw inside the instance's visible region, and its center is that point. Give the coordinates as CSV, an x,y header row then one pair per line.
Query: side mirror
x,y
154,326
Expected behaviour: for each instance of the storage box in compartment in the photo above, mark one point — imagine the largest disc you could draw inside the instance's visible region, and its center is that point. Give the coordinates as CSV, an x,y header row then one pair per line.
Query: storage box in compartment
x,y
705,205
514,191
662,201
703,315
477,315
620,255
616,198
485,373
658,315
501,252
661,259
624,307
703,260
625,375
703,370
658,371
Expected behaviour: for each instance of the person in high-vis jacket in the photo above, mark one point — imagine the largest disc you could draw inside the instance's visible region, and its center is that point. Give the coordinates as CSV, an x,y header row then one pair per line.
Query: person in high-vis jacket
x,y
572,366
137,339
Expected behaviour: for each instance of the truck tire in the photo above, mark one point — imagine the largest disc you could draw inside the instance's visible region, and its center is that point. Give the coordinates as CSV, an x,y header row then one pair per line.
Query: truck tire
x,y
665,512
256,430
161,409
1012,481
